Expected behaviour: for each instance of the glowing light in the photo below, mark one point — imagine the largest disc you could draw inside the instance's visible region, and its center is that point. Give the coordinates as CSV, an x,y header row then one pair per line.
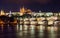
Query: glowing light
x,y
20,27
33,22
55,23
55,18
55,28
25,27
21,19
38,27
40,22
26,19
26,22
48,28
41,14
32,26
32,31
50,22
49,14
21,22
42,28
17,28
2,12
24,10
32,19
48,18
21,14
1,22
51,29
10,14
40,19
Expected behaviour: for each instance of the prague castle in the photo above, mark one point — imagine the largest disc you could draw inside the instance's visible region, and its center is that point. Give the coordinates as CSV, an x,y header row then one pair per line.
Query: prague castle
x,y
33,17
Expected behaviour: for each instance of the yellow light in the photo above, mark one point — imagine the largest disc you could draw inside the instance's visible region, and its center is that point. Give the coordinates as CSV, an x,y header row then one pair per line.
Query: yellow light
x,y
32,19
48,28
26,19
42,28
22,10
25,27
2,12
40,22
32,27
40,19
50,22
21,22
20,27
26,22
21,14
33,22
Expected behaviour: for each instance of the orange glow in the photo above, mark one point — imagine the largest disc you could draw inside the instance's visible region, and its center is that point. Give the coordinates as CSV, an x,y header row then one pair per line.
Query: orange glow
x,y
1,22
24,10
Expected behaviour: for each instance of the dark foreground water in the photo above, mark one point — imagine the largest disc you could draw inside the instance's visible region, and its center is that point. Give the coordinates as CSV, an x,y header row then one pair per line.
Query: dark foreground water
x,y
8,31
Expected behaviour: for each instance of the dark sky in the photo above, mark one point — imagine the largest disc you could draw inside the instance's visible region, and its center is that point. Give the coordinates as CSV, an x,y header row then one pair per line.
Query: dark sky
x,y
34,5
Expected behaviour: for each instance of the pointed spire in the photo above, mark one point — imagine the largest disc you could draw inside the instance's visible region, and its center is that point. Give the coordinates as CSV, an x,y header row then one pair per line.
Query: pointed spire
x,y
10,12
2,12
22,9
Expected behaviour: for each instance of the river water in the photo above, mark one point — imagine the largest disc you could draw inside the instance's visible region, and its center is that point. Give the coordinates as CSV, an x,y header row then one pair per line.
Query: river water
x,y
29,31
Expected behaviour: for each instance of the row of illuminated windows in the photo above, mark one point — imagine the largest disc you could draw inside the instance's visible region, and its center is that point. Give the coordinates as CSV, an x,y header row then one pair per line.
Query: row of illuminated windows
x,y
46,14
38,14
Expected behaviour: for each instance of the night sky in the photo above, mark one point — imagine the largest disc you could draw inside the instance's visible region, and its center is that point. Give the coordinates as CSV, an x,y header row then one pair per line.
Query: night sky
x,y
34,5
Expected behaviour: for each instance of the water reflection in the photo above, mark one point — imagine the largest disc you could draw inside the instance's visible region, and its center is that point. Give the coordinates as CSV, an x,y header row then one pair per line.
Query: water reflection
x,y
20,27
2,27
29,31
52,35
42,28
32,27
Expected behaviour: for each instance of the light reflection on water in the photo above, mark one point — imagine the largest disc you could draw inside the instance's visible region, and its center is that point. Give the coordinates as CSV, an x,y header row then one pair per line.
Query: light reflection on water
x,y
29,31
52,35
20,27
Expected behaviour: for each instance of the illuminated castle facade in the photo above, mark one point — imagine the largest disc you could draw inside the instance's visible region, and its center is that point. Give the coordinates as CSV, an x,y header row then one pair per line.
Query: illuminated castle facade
x,y
24,11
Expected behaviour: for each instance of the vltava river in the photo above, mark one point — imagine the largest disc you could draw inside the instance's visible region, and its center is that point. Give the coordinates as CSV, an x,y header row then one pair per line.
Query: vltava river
x,y
29,31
